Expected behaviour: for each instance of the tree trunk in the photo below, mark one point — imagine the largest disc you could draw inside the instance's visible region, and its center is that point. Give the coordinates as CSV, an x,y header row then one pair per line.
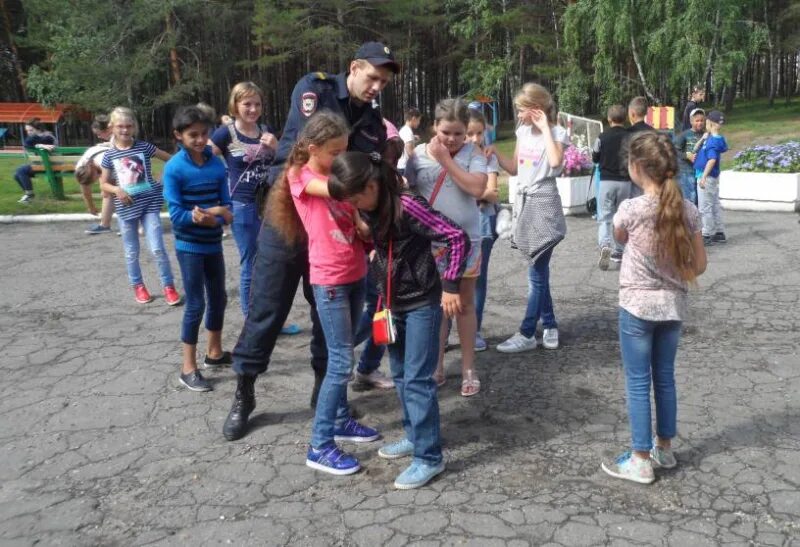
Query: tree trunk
x,y
174,61
636,60
17,66
771,49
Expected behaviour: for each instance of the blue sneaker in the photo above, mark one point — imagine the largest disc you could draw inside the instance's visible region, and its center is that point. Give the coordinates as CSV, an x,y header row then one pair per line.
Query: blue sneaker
x,y
480,343
291,329
355,432
417,474
97,229
332,460
396,450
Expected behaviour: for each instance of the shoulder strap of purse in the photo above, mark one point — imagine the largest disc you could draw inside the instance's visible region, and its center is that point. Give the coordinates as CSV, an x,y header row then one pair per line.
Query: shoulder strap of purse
x,y
438,186
388,282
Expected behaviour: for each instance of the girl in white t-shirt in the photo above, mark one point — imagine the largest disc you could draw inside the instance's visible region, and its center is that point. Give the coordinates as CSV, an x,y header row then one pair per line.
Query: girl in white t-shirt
x,y
537,159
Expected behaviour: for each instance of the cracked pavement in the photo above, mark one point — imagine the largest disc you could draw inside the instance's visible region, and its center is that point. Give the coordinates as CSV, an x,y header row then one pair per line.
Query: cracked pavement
x,y
100,446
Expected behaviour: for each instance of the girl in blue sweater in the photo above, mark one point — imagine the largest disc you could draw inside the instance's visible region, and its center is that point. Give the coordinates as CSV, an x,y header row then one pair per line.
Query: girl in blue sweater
x,y
196,191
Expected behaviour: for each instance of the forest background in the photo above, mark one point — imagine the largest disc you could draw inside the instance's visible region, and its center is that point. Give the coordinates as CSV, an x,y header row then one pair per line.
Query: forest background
x,y
154,55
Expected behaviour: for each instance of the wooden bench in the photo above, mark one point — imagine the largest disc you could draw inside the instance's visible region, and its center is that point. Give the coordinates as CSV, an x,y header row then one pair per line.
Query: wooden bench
x,y
53,164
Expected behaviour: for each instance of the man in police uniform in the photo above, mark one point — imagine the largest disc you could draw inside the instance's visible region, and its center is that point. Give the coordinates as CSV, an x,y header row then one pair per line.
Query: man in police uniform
x,y
279,267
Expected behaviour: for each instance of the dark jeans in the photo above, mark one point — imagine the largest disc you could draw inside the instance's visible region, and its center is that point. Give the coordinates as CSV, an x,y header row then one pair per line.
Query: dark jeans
x,y
277,270
371,356
540,303
23,176
488,230
203,276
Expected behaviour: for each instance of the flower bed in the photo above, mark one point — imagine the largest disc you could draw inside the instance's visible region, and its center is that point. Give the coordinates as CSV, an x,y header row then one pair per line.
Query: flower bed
x,y
763,178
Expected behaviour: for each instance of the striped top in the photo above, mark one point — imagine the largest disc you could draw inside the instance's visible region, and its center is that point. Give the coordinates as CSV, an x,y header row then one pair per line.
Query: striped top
x,y
415,279
188,185
132,172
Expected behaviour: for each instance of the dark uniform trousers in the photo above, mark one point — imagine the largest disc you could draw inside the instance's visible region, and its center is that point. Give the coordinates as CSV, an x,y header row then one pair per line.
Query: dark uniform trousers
x,y
278,267
277,271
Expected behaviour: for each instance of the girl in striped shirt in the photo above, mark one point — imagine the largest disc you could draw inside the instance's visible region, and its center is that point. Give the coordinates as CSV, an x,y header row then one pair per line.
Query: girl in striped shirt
x,y
127,175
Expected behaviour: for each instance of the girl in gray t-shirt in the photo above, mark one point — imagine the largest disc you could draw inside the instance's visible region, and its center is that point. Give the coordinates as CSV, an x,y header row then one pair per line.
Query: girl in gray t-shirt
x,y
451,174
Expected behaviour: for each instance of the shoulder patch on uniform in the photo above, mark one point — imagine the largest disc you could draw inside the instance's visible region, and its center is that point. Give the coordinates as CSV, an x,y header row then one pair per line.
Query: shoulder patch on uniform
x,y
308,103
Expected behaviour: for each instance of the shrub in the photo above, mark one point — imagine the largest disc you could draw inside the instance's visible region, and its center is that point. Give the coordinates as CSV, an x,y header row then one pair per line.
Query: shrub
x,y
776,158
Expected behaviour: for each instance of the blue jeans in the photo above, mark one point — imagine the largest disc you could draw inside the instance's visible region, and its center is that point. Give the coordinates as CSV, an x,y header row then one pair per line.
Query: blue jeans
x,y
610,193
129,229
340,308
488,230
688,186
246,226
371,356
203,276
277,271
23,176
540,303
413,359
648,355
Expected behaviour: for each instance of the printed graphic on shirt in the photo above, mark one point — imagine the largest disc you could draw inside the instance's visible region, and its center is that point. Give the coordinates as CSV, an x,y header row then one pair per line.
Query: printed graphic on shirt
x,y
131,173
342,215
530,156
308,103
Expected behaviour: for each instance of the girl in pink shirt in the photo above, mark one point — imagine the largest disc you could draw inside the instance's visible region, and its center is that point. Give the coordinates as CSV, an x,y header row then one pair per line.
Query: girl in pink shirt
x,y
300,206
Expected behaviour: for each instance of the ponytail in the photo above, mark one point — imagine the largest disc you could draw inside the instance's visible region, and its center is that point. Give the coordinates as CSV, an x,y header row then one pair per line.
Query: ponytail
x,y
280,209
655,155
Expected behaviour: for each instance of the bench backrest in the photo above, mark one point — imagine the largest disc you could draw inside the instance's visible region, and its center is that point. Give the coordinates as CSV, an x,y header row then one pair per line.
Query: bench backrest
x,y
62,158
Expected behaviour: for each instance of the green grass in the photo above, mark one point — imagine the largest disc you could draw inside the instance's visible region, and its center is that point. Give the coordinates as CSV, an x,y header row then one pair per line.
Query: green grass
x,y
44,202
750,123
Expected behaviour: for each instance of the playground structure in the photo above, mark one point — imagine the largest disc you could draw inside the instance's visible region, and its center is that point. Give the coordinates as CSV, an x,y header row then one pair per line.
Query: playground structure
x,y
482,103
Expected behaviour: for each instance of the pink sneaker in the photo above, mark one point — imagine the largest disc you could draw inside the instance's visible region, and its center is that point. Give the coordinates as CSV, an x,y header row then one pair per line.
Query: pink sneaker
x,y
171,296
141,294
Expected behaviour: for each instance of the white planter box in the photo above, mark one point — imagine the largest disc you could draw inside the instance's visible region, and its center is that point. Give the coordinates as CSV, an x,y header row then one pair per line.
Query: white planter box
x,y
572,190
743,191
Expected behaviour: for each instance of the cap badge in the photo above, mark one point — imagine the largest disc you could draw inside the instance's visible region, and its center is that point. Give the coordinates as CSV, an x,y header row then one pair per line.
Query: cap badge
x,y
386,50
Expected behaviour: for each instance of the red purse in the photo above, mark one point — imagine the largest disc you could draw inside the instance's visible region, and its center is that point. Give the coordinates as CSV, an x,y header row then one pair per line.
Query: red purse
x,y
383,329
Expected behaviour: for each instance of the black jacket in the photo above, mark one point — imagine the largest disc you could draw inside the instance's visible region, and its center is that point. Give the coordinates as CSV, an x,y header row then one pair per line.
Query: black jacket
x,y
607,152
415,279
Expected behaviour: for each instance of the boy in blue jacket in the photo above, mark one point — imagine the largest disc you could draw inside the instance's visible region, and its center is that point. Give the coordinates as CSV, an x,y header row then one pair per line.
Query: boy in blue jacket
x,y
707,167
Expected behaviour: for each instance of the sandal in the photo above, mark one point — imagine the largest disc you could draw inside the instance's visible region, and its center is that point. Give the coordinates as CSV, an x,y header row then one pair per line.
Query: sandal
x,y
470,385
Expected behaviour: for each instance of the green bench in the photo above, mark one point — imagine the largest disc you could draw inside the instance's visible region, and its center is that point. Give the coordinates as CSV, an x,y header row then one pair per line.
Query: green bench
x,y
53,164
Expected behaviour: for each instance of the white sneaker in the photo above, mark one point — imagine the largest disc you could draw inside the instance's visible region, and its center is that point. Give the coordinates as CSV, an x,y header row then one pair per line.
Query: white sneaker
x,y
662,457
605,258
376,378
550,338
631,468
27,198
517,343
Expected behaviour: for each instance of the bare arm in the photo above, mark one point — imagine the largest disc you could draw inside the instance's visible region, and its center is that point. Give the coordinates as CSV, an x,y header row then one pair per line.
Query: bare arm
x,y
316,187
700,257
508,164
473,184
107,186
491,194
163,156
621,235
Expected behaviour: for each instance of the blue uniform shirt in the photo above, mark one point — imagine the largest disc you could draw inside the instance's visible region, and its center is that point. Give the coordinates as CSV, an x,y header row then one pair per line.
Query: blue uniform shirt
x,y
319,90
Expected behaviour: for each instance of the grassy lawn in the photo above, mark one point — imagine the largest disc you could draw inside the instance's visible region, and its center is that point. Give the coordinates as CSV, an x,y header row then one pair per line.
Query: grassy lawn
x,y
10,192
751,122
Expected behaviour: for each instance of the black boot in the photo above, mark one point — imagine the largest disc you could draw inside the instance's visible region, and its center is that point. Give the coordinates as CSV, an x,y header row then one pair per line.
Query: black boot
x,y
244,401
318,378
